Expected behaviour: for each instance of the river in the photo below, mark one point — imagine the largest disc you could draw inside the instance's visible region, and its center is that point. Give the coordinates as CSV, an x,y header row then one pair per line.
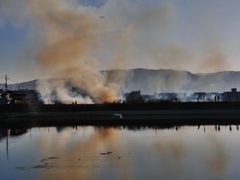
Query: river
x,y
130,152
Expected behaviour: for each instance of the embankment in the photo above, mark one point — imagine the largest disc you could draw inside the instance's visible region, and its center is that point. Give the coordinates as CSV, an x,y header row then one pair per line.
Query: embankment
x,y
165,113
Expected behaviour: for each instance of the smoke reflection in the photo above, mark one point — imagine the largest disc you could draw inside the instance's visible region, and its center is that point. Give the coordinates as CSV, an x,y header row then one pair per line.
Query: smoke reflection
x,y
89,151
85,151
218,161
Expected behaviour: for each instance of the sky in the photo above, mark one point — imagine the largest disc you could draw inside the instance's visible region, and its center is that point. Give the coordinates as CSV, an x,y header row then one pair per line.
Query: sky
x,y
67,38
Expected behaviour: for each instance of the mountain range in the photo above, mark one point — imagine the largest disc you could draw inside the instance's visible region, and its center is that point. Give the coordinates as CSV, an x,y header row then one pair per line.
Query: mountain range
x,y
150,81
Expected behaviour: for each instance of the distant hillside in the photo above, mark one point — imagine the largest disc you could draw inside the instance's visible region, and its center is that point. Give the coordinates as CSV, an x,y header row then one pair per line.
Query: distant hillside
x,y
22,85
150,81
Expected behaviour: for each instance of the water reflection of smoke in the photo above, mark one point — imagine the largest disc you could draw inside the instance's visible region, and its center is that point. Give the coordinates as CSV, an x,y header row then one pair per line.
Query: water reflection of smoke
x,y
164,155
172,151
215,154
85,153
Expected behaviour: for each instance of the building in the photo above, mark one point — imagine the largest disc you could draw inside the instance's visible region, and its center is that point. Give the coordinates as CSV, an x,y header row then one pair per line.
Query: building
x,y
31,96
232,95
16,97
134,95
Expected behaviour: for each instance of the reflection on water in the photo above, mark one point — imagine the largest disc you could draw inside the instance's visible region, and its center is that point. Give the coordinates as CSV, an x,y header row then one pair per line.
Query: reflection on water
x,y
121,152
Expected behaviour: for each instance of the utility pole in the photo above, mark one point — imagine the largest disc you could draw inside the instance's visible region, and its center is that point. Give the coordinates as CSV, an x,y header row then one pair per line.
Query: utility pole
x,y
6,86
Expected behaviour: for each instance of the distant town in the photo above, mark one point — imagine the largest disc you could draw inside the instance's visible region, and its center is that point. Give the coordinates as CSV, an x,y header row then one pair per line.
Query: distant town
x,y
25,96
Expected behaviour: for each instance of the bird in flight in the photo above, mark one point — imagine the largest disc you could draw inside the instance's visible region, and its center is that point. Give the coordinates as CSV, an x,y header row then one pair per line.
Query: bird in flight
x,y
117,114
101,16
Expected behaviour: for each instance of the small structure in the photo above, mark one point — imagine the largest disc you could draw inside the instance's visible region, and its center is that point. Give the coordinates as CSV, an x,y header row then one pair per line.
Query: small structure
x,y
12,97
16,97
233,95
134,95
32,96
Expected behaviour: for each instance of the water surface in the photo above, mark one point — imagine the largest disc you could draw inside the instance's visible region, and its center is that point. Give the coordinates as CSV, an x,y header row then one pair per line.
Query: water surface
x,y
87,152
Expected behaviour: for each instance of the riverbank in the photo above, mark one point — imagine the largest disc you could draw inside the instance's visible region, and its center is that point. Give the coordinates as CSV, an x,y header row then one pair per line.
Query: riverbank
x,y
163,114
143,117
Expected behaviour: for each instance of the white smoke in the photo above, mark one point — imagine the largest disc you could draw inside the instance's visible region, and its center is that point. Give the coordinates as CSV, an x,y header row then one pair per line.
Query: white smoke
x,y
55,90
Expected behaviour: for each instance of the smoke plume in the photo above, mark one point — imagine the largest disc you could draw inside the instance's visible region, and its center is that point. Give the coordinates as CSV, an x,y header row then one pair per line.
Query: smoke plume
x,y
69,37
76,39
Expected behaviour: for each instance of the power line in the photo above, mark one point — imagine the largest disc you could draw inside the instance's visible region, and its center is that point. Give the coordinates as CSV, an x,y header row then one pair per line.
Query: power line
x,y
10,79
